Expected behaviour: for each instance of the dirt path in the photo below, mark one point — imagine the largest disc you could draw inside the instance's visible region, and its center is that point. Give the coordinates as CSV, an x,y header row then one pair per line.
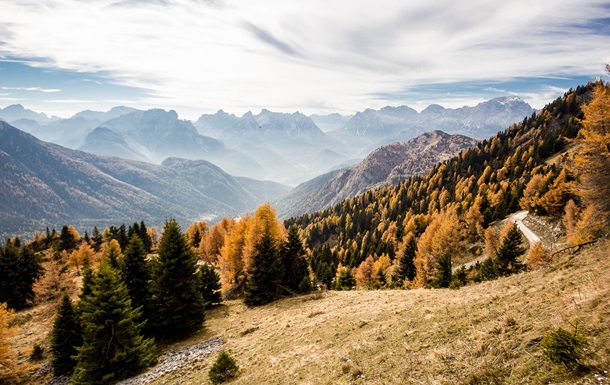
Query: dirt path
x,y
518,218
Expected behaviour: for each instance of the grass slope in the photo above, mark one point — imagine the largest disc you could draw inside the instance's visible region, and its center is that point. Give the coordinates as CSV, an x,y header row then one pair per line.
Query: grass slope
x,y
487,333
482,334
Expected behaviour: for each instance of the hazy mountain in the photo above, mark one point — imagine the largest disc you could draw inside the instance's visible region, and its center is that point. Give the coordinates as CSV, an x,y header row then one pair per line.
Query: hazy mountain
x,y
387,165
155,135
290,147
370,128
101,116
46,184
17,111
330,122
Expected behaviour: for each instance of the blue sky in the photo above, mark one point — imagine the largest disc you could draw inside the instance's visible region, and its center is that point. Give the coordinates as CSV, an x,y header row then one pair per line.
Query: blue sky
x,y
197,56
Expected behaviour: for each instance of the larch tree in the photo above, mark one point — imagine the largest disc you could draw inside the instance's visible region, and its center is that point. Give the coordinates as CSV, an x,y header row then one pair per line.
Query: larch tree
x,y
177,303
231,259
7,363
113,346
592,162
113,253
65,338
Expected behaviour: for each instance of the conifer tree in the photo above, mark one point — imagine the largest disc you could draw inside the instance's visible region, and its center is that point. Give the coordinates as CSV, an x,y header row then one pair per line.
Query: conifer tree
x,y
19,269
136,275
508,252
113,347
444,267
265,273
66,337
145,237
407,268
177,302
113,253
293,260
345,280
87,283
209,284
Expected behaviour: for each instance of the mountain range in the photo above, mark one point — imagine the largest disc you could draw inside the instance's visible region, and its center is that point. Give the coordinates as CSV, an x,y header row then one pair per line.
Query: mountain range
x,y
386,165
287,148
43,184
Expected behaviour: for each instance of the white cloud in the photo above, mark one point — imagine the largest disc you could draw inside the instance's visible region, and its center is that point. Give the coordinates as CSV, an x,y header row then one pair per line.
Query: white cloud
x,y
198,56
38,89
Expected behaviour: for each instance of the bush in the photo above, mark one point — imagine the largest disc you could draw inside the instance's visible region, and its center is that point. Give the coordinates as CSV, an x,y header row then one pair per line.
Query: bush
x,y
224,369
564,348
37,353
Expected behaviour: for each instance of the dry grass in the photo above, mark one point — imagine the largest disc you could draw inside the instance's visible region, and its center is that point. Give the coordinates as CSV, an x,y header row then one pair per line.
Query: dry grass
x,y
481,334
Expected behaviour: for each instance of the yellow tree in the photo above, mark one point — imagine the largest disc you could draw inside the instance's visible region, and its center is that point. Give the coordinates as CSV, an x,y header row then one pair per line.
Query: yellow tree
x,y
81,256
365,274
592,161
231,257
212,242
7,365
264,221
440,238
537,256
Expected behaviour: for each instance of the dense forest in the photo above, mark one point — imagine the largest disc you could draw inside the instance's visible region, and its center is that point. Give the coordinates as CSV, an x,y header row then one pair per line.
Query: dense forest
x,y
132,285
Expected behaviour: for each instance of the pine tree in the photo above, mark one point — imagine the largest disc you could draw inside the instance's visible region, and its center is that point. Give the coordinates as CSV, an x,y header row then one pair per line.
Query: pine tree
x,y
20,268
209,284
66,337
407,266
444,267
508,252
345,279
145,237
265,273
113,347
178,304
293,261
87,283
136,275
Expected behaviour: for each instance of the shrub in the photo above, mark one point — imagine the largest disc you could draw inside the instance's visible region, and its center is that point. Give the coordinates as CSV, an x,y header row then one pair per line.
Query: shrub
x,y
564,348
37,353
224,369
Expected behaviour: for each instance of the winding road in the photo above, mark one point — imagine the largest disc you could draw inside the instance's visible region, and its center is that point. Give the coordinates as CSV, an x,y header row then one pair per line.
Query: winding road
x,y
518,218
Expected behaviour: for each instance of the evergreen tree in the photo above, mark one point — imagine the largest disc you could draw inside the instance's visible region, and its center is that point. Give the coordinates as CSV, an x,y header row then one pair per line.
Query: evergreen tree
x,y
145,237
96,237
87,283
209,284
122,236
113,253
66,337
345,280
68,238
19,269
178,304
508,252
265,273
136,275
113,347
444,272
407,268
293,261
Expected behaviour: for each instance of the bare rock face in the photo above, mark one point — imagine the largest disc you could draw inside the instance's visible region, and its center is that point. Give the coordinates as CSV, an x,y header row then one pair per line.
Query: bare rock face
x,y
386,165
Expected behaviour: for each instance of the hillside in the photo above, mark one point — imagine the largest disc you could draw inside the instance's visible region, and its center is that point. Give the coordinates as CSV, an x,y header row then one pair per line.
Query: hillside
x,y
487,333
47,185
387,165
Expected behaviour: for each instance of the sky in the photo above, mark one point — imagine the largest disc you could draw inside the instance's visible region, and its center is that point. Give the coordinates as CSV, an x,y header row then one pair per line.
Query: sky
x,y
198,56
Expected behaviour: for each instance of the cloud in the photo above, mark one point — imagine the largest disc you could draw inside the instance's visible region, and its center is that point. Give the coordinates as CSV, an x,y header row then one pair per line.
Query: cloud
x,y
200,56
268,38
38,89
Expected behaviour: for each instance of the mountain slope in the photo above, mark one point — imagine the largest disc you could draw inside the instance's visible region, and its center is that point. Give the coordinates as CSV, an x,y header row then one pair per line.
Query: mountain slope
x,y
387,165
55,185
155,135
